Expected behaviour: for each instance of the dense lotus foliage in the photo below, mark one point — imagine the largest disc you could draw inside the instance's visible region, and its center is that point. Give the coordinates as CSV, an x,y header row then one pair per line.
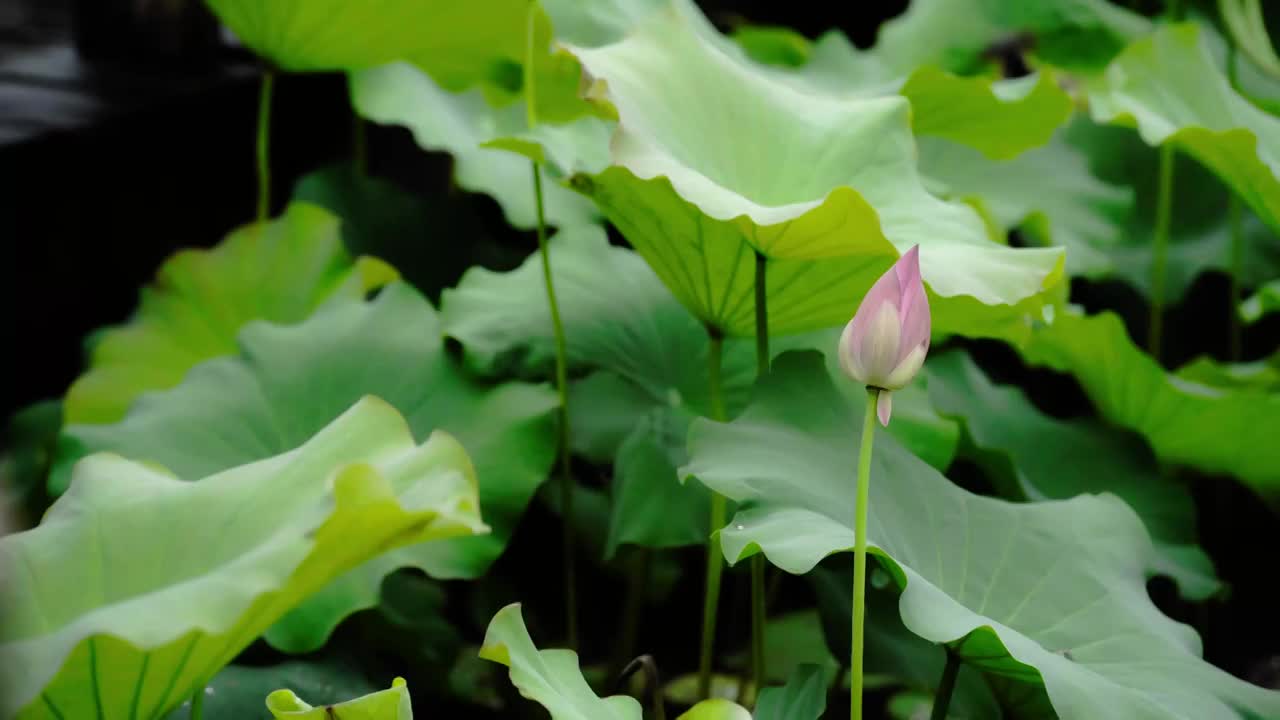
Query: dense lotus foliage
x,y
324,472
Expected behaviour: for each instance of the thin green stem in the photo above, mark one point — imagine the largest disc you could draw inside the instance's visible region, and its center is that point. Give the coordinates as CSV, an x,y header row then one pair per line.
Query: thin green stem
x,y
860,554
715,559
562,388
263,147
197,703
1160,249
637,585
946,687
562,371
1237,270
758,596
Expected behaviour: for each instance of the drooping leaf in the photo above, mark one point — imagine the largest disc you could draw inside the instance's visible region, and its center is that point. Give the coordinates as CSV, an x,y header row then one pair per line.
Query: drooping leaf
x,y
461,45
142,586
1050,592
550,678
803,698
390,704
1200,229
288,381
1243,19
280,272
1032,449
1225,430
237,691
1168,87
401,94
1048,193
829,177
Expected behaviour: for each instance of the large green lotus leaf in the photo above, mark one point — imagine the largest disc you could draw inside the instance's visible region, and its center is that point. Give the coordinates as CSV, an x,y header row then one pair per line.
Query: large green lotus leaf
x,y
461,45
1168,87
461,123
280,272
642,334
829,177
1001,118
288,381
1200,230
1217,429
1049,193
1050,592
591,24
141,586
1031,449
1264,302
1259,375
390,704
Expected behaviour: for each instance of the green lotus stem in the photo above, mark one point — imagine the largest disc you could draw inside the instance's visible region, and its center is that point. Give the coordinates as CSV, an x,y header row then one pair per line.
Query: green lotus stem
x,y
359,146
758,609
715,559
946,687
1237,269
197,703
1160,249
637,584
562,371
264,140
860,554
562,388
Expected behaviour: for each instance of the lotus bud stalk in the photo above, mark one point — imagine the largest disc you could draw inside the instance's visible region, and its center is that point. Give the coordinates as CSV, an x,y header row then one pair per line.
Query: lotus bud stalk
x,y
884,345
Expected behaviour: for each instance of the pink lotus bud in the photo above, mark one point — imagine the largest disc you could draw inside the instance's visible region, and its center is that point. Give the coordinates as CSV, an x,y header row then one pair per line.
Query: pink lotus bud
x,y
884,345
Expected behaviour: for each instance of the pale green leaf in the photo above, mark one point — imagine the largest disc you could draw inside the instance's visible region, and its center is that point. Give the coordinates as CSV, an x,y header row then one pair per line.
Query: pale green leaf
x,y
1224,430
1200,226
828,177
1049,193
550,678
142,586
1031,448
390,704
1049,592
1168,87
279,272
461,124
289,381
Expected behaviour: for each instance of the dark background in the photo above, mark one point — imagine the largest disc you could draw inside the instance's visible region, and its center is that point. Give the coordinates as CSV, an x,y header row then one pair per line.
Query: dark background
x,y
111,161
